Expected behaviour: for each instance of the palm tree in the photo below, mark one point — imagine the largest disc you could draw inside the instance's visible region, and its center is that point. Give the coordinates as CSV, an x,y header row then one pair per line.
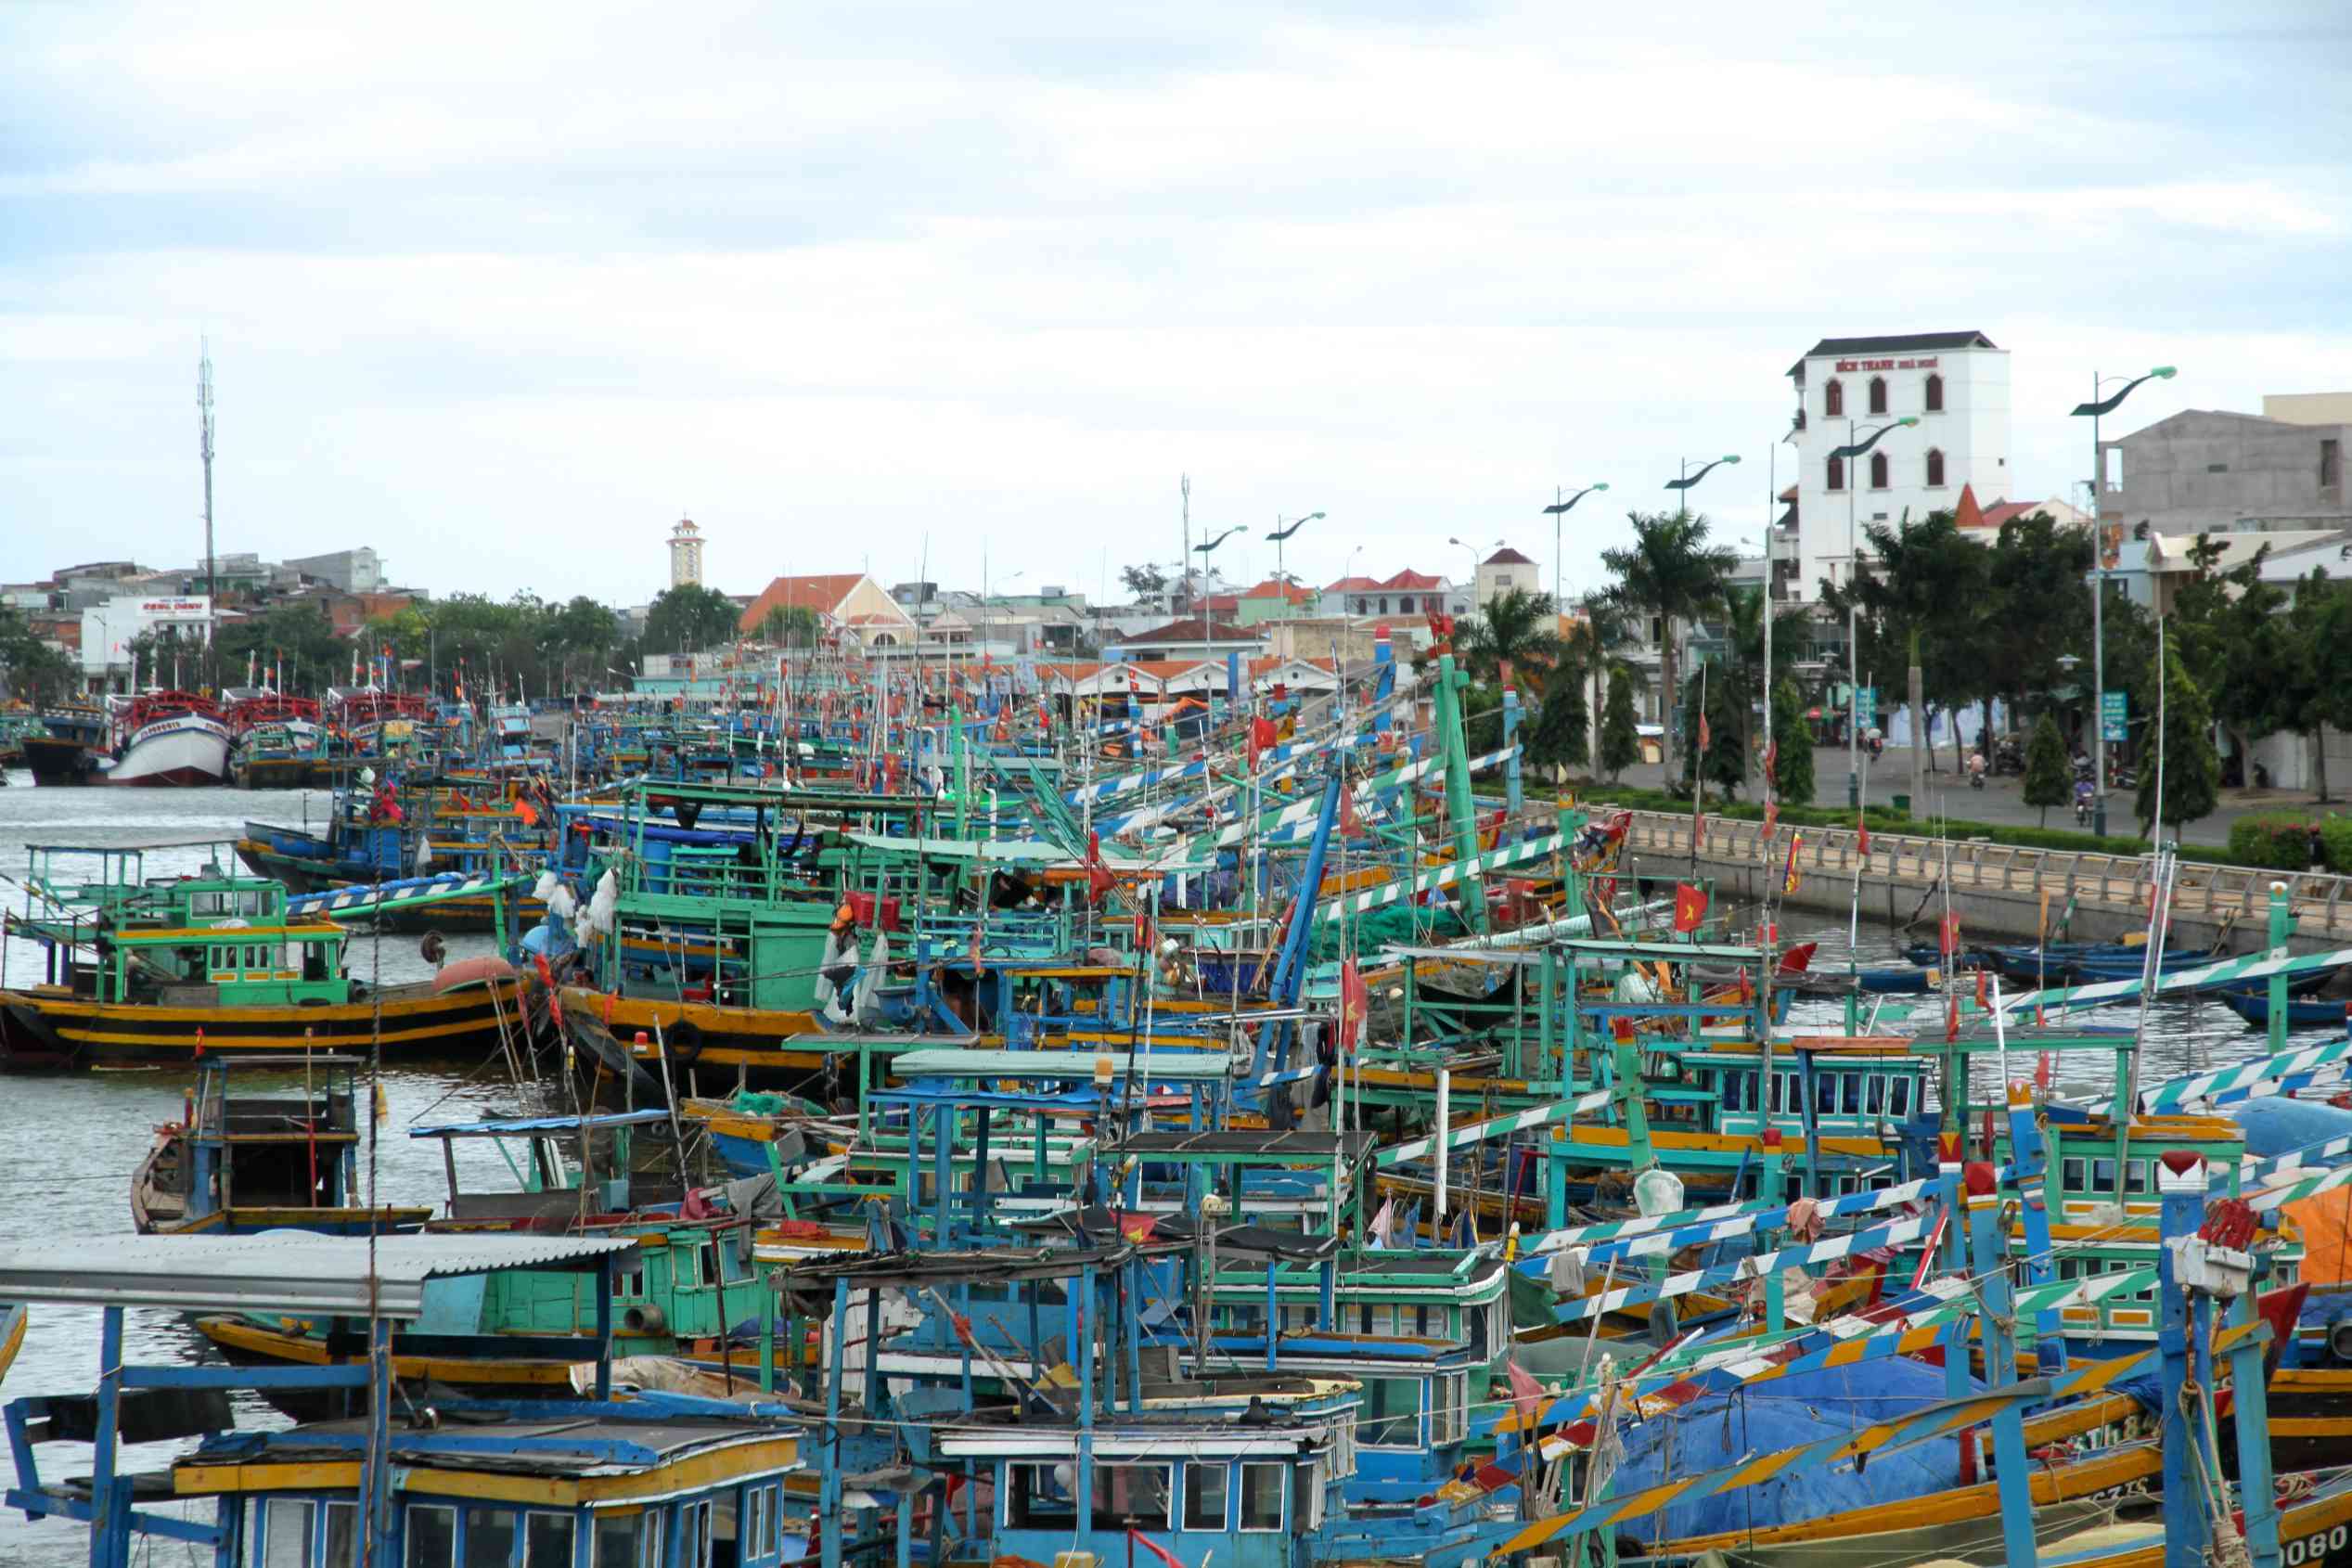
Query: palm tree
x,y
1744,637
1514,629
1670,572
1601,628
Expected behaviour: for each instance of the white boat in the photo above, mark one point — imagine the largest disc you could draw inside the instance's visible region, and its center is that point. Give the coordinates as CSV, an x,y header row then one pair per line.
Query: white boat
x,y
170,737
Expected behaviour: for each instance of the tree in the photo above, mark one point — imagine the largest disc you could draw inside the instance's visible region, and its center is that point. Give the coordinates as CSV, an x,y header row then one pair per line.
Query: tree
x,y
1144,582
1671,571
2323,611
689,618
1919,593
1793,746
2036,610
789,626
1561,732
1724,760
2191,769
1515,629
1741,669
1620,742
2050,773
29,669
1597,630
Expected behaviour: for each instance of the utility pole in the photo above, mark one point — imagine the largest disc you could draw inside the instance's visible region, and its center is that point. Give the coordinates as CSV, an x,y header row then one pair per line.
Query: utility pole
x,y
204,416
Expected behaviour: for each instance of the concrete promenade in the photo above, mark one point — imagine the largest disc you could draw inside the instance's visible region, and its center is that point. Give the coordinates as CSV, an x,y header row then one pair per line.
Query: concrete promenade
x,y
1998,890
2002,799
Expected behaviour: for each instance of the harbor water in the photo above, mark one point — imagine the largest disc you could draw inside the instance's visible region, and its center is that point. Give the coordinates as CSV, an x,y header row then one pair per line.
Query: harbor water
x,y
69,1144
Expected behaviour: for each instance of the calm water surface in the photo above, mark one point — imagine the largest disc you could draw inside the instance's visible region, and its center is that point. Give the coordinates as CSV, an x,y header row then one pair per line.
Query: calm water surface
x,y
68,1144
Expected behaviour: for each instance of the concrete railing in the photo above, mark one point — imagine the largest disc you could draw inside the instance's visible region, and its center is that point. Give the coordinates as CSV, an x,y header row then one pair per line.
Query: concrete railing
x,y
2227,894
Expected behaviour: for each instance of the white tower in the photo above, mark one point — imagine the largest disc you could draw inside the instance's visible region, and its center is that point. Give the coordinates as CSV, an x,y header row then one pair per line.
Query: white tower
x,y
686,555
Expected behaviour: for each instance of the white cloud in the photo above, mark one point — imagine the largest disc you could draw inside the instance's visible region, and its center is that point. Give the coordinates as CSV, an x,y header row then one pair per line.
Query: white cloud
x,y
504,292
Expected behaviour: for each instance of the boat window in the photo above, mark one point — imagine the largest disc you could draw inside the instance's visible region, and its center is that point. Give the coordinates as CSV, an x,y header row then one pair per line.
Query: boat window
x,y
694,1550
1876,1102
1245,1319
1850,1093
1391,1414
758,1522
208,904
223,960
490,1537
1824,1092
432,1538
2136,1175
1262,1496
2072,1174
1450,1396
629,1284
546,1541
343,1535
1204,1489
1131,1497
1898,1096
2102,1175
286,1534
618,1538
1481,1330
253,901
1040,1496
1776,1103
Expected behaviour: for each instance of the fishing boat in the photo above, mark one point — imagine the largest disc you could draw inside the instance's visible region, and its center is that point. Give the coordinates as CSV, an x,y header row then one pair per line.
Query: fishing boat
x,y
277,741
634,1479
263,1144
140,971
71,748
167,737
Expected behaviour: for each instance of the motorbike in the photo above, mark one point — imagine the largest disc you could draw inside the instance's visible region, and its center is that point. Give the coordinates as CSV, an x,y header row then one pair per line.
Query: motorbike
x,y
2082,808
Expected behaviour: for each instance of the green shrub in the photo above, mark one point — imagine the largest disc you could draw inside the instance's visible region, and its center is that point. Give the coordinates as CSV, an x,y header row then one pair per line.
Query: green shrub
x,y
2335,842
2278,841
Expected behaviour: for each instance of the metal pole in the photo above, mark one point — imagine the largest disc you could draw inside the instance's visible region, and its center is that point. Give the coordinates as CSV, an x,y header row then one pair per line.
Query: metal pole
x,y
1771,499
1853,639
2098,626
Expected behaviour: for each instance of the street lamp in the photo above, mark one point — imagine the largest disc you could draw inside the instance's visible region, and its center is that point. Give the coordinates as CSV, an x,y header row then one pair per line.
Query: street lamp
x,y
1689,479
2094,409
1282,534
1854,449
1473,563
1556,510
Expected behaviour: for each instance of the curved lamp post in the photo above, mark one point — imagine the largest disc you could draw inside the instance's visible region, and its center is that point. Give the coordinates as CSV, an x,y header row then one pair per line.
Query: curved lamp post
x,y
1856,446
1556,510
1689,479
2093,409
1281,534
1209,610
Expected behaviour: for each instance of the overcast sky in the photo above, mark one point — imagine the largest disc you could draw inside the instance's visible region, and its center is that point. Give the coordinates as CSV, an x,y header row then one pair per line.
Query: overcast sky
x,y
505,291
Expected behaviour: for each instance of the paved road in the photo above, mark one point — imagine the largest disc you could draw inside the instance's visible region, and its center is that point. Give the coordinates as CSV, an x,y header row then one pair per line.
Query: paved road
x,y
2002,799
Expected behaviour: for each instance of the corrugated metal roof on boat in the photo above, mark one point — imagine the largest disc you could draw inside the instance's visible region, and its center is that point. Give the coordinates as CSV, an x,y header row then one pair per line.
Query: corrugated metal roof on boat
x,y
289,1271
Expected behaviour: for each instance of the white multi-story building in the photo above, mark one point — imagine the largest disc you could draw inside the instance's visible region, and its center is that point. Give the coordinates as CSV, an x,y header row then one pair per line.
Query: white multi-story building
x,y
685,554
1955,384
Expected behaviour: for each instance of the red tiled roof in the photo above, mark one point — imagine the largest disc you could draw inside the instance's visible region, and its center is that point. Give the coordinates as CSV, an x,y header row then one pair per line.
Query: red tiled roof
x,y
1412,580
1968,514
1273,587
1507,556
1354,586
823,595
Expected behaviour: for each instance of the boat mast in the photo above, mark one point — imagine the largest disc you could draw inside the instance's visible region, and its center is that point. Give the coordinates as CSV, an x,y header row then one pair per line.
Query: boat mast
x,y
204,416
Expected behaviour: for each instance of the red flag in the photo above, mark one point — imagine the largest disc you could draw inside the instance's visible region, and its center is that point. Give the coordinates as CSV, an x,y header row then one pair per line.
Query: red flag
x,y
1951,932
1349,823
1702,732
1864,828
1689,906
1771,765
1771,815
1526,1395
1355,1004
1099,877
1154,1547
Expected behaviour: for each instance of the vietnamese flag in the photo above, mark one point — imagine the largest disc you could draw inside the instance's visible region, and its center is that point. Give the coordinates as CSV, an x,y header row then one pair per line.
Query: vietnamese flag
x,y
1862,827
1689,906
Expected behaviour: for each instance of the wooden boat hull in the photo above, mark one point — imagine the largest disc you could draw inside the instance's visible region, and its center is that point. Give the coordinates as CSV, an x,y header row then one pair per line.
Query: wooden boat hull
x,y
771,1047
13,1318
302,874
57,761
47,1029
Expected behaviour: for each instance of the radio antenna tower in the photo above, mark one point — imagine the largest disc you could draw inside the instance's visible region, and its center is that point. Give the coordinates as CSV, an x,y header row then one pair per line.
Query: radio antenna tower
x,y
204,416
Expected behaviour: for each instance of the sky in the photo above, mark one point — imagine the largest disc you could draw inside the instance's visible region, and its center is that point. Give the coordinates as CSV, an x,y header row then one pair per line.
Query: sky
x,y
964,291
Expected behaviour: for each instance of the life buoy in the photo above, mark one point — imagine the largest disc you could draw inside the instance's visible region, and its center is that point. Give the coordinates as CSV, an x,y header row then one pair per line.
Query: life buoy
x,y
434,948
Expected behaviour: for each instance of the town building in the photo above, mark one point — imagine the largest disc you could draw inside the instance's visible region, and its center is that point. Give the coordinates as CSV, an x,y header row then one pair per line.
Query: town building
x,y
2208,470
843,601
1192,637
1406,593
685,554
355,571
1507,572
109,630
1955,384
